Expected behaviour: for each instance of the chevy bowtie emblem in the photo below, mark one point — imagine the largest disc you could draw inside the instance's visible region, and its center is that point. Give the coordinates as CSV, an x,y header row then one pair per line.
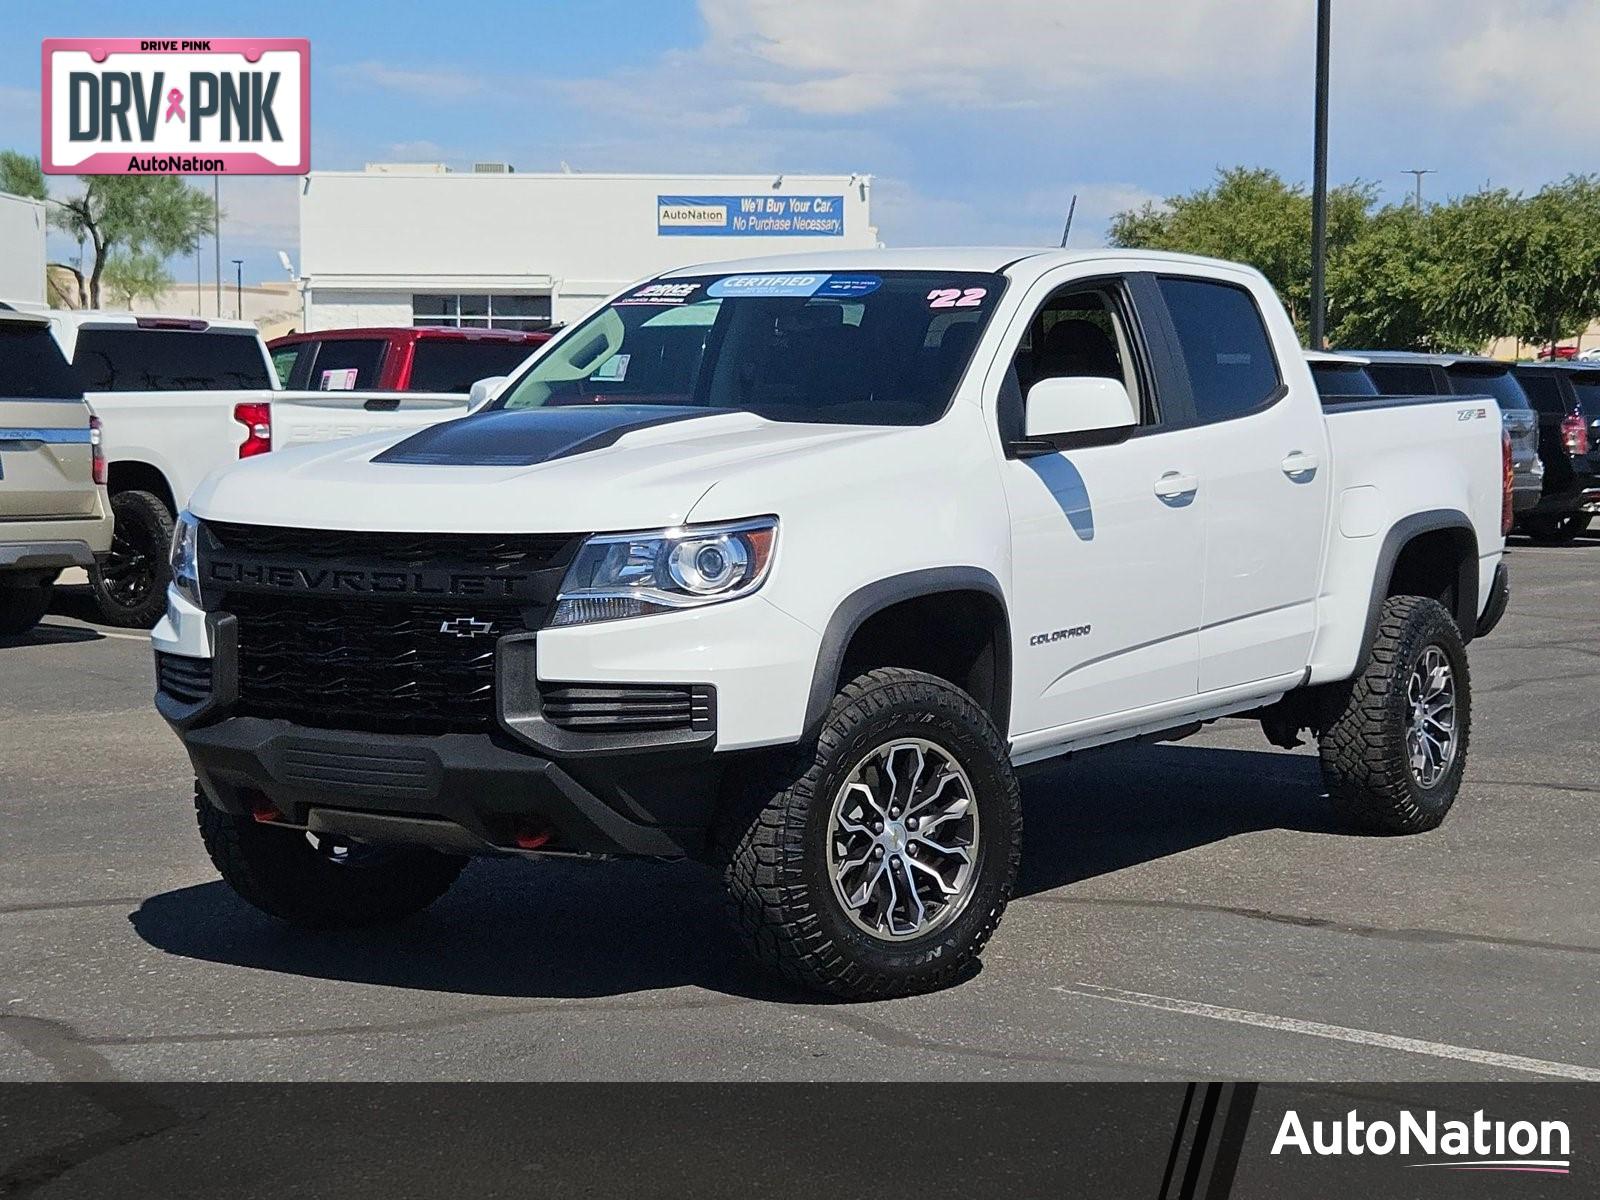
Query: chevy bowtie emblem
x,y
466,627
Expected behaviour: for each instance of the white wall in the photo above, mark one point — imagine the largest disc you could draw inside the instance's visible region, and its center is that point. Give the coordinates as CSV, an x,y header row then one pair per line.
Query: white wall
x,y
368,239
22,228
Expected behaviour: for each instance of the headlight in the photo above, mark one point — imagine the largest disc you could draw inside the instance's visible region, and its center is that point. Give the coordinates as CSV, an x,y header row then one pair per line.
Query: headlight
x,y
631,574
185,557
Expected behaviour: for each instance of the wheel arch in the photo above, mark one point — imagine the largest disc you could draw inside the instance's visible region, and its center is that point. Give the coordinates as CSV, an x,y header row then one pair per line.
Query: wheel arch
x,y
132,474
1434,554
970,591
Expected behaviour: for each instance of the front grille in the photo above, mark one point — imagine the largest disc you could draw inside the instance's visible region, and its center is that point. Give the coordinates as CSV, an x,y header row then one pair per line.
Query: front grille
x,y
187,680
628,708
416,660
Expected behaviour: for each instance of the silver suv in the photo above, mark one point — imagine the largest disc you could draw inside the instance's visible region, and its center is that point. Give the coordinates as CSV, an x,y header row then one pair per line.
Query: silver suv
x,y
53,508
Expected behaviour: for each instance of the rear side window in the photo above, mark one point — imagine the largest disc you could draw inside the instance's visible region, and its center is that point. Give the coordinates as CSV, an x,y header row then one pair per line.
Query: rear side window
x,y
284,360
449,366
1232,371
1544,392
1402,379
344,364
1342,379
31,365
1587,386
1502,385
127,359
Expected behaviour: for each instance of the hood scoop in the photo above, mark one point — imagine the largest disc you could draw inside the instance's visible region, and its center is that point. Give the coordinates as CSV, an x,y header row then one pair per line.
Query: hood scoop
x,y
525,437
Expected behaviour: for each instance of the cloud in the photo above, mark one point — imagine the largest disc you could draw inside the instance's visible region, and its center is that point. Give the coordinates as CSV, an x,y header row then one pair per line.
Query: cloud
x,y
420,83
1535,65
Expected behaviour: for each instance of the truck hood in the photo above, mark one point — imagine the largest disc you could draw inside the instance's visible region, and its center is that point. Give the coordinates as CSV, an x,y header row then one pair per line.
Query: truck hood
x,y
606,467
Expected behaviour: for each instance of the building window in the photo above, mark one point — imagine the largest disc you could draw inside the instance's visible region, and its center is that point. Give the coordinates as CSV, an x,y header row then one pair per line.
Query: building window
x,y
481,311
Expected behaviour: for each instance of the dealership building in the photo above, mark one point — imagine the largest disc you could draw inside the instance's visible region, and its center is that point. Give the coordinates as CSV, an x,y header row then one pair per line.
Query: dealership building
x,y
418,244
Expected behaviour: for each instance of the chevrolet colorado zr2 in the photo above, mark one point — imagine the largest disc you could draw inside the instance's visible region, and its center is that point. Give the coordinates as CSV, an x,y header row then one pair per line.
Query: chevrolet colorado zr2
x,y
788,564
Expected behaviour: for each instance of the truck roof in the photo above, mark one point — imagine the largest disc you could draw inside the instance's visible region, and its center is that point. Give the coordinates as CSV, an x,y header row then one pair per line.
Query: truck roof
x,y
946,258
79,317
1434,360
414,333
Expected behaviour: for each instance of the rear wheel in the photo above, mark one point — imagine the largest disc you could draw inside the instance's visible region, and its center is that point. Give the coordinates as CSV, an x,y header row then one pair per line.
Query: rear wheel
x,y
130,581
877,862
1556,531
22,607
1394,757
322,882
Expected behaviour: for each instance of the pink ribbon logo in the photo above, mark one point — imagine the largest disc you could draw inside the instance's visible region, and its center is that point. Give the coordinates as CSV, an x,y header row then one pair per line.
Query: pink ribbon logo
x,y
175,105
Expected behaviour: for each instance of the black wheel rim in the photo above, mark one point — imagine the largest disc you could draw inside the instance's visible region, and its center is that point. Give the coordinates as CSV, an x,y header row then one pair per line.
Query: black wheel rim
x,y
128,571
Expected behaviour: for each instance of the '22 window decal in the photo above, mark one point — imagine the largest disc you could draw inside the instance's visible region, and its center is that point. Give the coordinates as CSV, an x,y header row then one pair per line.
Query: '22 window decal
x,y
956,297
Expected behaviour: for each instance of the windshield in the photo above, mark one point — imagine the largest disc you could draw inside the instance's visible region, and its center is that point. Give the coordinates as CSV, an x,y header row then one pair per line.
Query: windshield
x,y
858,348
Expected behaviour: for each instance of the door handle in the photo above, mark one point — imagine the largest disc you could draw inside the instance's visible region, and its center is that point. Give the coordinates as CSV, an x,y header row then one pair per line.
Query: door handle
x,y
1176,486
1300,463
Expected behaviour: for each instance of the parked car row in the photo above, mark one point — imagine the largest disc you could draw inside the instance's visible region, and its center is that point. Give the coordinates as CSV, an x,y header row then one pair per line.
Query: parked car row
x,y
1550,411
161,402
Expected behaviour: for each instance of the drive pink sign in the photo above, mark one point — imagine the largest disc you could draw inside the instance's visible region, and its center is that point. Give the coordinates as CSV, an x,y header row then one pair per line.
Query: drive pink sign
x,y
170,106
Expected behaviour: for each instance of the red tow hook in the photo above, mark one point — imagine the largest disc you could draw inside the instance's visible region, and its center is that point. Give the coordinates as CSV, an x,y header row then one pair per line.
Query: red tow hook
x,y
531,838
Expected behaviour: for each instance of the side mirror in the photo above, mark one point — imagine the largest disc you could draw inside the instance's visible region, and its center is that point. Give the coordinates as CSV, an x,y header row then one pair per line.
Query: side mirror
x,y
1076,411
484,389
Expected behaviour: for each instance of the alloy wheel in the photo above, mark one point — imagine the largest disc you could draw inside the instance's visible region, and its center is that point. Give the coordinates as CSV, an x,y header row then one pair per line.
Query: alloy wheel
x,y
1431,736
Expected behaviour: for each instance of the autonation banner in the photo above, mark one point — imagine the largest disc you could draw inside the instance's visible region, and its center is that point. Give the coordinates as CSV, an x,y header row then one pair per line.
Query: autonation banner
x,y
168,106
750,216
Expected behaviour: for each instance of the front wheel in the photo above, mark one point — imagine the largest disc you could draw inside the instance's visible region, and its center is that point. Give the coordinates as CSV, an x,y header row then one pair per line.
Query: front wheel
x,y
877,862
130,581
1394,756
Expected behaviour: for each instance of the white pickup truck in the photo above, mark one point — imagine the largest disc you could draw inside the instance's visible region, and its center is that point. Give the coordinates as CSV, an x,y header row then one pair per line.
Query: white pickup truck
x,y
178,397
788,564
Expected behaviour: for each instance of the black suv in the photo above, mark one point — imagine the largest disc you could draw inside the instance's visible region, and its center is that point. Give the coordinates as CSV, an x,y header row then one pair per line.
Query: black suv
x,y
1567,398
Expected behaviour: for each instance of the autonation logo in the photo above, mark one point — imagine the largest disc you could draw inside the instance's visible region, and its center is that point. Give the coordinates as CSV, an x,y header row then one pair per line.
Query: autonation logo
x,y
1479,1145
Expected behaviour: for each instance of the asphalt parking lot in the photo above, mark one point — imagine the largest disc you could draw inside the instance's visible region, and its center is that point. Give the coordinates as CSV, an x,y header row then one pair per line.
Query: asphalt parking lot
x,y
1186,911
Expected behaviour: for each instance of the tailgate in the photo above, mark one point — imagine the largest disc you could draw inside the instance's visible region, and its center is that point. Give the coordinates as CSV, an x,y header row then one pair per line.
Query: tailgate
x,y
45,460
304,418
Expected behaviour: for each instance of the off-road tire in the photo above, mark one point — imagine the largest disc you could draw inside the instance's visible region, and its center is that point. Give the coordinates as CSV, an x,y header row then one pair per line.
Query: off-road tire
x,y
21,608
1556,531
779,889
280,872
1365,763
142,521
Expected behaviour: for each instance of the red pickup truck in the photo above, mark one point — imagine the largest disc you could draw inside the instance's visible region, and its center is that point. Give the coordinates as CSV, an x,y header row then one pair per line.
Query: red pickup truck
x,y
402,359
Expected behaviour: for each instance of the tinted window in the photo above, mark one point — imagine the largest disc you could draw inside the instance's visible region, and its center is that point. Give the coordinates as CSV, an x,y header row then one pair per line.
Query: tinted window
x,y
1544,392
343,364
31,365
1342,379
443,366
1587,386
283,360
1225,347
1502,385
127,359
854,348
1402,379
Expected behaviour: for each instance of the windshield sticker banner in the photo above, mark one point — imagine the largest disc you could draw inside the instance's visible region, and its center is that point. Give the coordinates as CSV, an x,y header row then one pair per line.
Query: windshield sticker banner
x,y
750,216
158,106
661,293
830,287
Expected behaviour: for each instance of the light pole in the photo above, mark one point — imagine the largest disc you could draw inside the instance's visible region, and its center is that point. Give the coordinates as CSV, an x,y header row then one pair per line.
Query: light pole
x,y
238,288
1419,173
1319,185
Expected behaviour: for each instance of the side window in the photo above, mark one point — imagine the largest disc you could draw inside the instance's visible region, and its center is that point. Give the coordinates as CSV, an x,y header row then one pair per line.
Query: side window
x,y
1078,332
1544,392
1225,347
1402,379
284,359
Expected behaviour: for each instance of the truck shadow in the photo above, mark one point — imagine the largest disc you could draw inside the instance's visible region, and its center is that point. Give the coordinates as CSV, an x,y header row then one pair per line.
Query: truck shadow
x,y
569,930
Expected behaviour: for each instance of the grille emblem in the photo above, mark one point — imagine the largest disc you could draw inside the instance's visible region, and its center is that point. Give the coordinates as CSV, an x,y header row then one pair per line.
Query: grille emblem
x,y
467,627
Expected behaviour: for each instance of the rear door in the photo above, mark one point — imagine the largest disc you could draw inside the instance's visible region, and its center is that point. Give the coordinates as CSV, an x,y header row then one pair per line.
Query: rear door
x,y
1261,443
45,452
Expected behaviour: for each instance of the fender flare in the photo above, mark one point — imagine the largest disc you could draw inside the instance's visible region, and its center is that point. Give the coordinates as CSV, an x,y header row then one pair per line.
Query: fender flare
x,y
854,610
1394,541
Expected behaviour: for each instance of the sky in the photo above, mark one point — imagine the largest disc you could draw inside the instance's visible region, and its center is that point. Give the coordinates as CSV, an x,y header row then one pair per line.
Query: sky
x,y
977,120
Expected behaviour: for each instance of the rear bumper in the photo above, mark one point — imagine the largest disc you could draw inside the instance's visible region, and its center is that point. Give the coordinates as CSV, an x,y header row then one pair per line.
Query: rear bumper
x,y
46,556
1499,598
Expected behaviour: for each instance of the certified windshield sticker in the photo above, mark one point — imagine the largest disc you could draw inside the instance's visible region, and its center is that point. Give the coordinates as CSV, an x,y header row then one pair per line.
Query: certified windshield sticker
x,y
614,369
956,297
662,293
767,285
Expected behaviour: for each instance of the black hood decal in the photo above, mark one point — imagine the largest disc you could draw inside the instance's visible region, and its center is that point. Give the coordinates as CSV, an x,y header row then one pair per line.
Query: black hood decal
x,y
522,437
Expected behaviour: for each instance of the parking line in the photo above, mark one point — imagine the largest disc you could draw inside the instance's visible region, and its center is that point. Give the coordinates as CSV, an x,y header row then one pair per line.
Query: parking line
x,y
1336,1033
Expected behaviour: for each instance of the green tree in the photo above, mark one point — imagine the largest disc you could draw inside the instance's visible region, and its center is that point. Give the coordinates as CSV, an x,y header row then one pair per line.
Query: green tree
x,y
1253,216
1390,290
20,175
135,274
160,214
